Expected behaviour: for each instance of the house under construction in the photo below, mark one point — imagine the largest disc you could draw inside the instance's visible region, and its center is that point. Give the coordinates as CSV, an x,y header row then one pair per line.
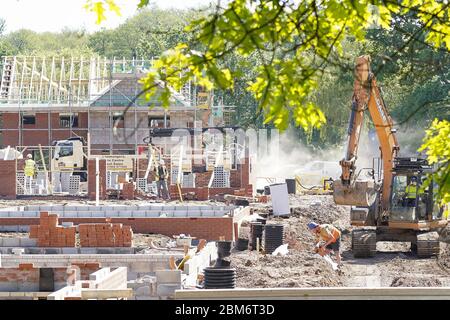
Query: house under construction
x,y
47,99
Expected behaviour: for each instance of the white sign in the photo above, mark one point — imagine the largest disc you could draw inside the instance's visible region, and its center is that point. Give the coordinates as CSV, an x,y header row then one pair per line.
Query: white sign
x,y
123,163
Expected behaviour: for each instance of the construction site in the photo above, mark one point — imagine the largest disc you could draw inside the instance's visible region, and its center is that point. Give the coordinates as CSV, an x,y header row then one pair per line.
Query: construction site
x,y
106,195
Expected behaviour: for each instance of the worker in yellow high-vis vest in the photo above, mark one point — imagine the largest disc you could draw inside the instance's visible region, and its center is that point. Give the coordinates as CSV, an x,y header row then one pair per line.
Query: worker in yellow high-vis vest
x,y
411,193
30,168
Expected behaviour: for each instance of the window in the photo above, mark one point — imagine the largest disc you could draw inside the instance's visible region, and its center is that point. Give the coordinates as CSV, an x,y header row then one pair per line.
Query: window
x,y
64,149
157,122
28,119
64,120
118,120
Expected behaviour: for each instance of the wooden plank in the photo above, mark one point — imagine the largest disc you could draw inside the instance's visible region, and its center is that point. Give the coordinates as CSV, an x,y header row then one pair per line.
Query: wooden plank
x,y
382,293
30,294
106,293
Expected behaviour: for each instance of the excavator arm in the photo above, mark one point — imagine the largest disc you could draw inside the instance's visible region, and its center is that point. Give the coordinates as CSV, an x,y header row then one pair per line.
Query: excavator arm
x,y
366,96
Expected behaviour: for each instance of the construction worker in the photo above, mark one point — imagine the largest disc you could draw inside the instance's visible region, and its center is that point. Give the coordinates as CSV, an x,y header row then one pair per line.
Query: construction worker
x,y
161,181
332,237
411,193
29,169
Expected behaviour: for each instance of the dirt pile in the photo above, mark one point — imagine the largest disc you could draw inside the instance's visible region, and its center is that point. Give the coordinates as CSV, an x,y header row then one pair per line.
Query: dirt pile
x,y
415,282
297,269
300,267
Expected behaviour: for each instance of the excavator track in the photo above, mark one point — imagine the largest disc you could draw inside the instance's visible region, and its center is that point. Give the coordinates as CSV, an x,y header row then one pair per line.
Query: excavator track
x,y
427,245
364,243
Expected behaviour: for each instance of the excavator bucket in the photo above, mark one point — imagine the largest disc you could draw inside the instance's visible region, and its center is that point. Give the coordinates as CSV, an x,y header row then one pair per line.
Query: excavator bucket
x,y
359,193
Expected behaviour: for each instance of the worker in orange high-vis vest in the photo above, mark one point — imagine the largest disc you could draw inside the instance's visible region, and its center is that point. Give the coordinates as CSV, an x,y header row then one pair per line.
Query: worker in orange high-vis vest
x,y
330,235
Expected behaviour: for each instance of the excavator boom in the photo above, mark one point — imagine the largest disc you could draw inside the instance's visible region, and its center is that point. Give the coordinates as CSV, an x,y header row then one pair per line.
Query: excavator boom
x,y
366,96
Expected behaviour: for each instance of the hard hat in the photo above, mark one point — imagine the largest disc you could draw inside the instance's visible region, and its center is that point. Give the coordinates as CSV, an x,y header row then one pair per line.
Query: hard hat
x,y
312,225
413,179
161,161
29,156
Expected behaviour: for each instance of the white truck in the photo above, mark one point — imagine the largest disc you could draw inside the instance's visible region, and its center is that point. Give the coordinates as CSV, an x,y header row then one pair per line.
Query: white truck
x,y
68,160
314,172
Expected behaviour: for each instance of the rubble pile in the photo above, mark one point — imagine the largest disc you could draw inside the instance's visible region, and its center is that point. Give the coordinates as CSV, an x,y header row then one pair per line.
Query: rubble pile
x,y
300,267
297,269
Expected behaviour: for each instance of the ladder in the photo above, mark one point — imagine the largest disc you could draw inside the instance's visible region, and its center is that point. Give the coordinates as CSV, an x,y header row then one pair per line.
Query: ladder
x,y
6,80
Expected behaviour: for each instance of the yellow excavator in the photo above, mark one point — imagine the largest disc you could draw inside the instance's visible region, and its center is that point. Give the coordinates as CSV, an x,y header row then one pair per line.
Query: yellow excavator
x,y
390,202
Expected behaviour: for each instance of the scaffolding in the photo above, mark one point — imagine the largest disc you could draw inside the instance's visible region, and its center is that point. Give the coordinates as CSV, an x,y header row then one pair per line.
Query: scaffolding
x,y
60,81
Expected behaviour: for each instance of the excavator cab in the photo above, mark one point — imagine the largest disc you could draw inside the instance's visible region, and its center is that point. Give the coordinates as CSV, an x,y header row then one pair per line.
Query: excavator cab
x,y
411,199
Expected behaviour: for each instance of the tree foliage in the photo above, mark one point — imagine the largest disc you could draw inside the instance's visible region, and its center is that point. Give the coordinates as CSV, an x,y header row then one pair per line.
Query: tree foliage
x,y
295,42
437,146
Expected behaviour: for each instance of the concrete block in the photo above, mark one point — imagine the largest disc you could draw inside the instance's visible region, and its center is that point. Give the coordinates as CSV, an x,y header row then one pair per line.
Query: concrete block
x,y
99,274
108,208
70,214
131,208
99,214
124,214
31,214
106,250
152,214
18,251
143,291
81,208
168,214
208,213
69,250
168,276
194,213
84,214
145,267
138,214
27,242
130,250
35,250
47,208
22,228
88,250
52,250
112,214
167,290
11,242
180,214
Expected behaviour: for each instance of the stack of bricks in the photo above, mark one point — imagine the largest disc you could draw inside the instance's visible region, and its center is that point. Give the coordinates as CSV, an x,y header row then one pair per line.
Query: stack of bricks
x,y
105,235
49,234
241,192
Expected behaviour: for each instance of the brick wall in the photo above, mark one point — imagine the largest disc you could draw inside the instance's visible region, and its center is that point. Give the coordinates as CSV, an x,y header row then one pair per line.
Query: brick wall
x,y
209,228
8,179
91,179
49,234
34,137
105,235
25,278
